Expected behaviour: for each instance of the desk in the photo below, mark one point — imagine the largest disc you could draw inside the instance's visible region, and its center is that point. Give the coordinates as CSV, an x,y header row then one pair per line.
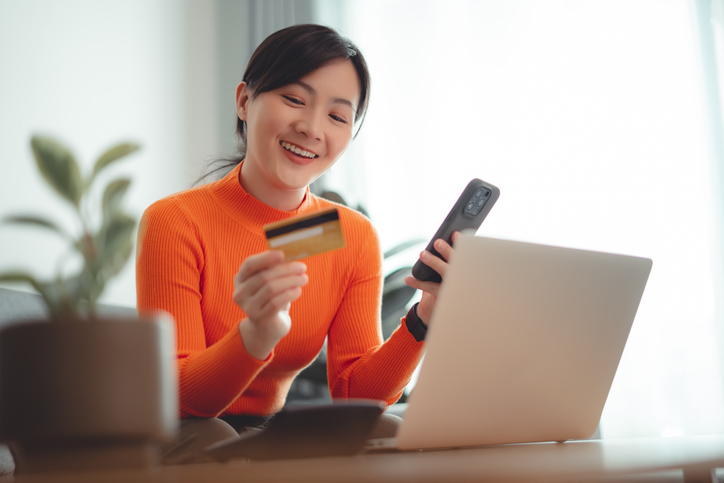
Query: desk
x,y
600,460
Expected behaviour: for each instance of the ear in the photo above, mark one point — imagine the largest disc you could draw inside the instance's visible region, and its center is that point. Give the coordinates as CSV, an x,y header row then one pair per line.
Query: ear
x,y
243,96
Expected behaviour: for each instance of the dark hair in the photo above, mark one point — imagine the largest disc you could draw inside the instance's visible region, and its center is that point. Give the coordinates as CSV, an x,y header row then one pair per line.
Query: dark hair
x,y
290,54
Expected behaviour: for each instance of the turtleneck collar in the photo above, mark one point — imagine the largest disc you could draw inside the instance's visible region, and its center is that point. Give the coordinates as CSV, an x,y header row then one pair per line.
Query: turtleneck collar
x,y
246,209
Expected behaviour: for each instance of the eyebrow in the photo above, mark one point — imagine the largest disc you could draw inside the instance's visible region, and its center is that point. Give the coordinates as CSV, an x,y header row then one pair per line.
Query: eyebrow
x,y
313,91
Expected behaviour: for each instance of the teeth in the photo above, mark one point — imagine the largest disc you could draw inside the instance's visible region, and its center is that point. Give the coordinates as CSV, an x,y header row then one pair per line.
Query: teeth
x,y
297,150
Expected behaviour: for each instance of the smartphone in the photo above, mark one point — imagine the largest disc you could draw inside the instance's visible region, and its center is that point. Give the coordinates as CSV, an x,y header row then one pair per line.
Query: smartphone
x,y
468,213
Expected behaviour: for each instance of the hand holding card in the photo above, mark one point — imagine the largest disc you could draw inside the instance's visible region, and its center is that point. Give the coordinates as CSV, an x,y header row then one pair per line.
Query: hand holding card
x,y
264,288
307,235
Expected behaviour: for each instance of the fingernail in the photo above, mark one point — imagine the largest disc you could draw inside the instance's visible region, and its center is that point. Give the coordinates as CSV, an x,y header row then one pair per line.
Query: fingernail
x,y
423,254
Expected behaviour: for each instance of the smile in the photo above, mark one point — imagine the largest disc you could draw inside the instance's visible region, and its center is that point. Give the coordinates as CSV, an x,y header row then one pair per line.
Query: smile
x,y
297,150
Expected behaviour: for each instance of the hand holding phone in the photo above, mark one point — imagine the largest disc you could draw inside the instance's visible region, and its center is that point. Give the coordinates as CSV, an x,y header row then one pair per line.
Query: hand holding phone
x,y
468,213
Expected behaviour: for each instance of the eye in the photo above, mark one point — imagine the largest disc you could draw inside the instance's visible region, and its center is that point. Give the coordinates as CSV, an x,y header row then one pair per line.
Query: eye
x,y
337,118
293,100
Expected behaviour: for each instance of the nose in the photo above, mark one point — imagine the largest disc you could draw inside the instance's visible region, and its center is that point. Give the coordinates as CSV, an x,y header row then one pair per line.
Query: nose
x,y
310,125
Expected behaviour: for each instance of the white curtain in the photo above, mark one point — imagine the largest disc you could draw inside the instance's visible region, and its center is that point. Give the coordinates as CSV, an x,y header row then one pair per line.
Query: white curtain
x,y
268,16
594,120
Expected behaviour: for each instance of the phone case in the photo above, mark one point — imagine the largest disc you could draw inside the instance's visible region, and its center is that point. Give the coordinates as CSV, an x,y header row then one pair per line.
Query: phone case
x,y
460,218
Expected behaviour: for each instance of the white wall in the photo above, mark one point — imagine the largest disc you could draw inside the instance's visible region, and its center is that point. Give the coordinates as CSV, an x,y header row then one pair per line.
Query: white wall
x,y
93,73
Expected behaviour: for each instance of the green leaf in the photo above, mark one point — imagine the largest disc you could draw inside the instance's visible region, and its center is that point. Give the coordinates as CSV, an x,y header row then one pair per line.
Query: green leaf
x,y
94,292
37,221
114,243
24,277
61,304
114,237
113,195
18,277
58,167
120,233
113,154
110,266
73,290
86,246
119,260
61,296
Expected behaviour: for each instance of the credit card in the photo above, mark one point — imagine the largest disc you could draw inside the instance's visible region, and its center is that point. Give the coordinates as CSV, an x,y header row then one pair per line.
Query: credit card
x,y
306,235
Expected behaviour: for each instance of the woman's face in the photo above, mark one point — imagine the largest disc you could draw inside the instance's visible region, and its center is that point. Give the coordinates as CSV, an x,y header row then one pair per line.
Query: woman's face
x,y
297,132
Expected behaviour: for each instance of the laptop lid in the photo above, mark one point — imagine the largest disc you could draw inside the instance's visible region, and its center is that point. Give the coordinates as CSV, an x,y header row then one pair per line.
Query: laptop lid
x,y
523,345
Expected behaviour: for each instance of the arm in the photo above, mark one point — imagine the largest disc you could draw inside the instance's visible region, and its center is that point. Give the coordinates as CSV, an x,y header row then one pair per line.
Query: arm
x,y
382,371
169,267
359,365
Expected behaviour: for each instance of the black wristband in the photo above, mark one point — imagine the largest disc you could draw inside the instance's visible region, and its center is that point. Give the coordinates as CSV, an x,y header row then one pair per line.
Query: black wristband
x,y
417,327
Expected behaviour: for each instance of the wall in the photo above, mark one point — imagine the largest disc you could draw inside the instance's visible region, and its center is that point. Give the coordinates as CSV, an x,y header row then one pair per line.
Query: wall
x,y
94,73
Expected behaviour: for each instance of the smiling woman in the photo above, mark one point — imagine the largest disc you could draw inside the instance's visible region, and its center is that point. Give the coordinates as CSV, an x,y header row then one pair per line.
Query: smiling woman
x,y
296,132
248,321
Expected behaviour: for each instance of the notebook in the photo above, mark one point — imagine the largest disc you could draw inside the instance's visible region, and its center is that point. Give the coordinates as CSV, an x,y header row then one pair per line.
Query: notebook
x,y
523,345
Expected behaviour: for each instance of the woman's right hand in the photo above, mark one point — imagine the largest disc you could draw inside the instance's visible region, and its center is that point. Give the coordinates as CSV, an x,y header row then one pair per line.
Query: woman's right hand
x,y
264,288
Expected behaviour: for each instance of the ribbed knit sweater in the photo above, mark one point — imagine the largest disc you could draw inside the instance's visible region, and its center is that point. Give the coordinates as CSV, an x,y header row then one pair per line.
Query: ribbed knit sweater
x,y
190,246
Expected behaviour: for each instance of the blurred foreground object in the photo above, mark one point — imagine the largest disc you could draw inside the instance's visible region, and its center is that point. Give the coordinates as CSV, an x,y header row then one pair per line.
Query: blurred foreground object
x,y
82,388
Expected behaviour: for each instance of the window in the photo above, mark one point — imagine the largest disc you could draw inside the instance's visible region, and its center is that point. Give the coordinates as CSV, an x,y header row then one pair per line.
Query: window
x,y
590,117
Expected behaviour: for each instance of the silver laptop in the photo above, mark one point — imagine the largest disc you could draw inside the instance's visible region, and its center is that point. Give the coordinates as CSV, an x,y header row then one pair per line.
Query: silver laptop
x,y
523,345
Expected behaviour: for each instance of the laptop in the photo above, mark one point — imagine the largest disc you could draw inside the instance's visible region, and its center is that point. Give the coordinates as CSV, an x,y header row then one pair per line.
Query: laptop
x,y
523,345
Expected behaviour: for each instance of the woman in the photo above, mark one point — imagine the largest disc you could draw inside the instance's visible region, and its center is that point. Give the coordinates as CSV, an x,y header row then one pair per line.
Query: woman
x,y
247,321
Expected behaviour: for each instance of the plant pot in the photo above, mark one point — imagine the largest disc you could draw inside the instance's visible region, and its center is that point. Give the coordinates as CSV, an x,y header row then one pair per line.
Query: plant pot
x,y
87,394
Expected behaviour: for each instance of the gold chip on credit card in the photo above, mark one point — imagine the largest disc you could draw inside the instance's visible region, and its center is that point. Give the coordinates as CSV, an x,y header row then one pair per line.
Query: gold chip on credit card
x,y
306,235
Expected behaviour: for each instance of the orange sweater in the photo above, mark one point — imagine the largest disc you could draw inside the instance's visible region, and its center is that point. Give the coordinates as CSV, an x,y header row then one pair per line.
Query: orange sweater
x,y
190,246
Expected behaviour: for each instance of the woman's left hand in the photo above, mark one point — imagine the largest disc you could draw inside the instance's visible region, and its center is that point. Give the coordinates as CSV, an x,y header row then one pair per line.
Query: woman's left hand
x,y
430,289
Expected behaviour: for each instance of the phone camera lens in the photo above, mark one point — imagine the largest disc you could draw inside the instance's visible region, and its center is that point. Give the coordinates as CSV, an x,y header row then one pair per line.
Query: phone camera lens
x,y
481,203
479,193
470,206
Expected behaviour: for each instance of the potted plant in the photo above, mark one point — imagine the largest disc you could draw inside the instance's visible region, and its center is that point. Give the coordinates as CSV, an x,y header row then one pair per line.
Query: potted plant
x,y
82,389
